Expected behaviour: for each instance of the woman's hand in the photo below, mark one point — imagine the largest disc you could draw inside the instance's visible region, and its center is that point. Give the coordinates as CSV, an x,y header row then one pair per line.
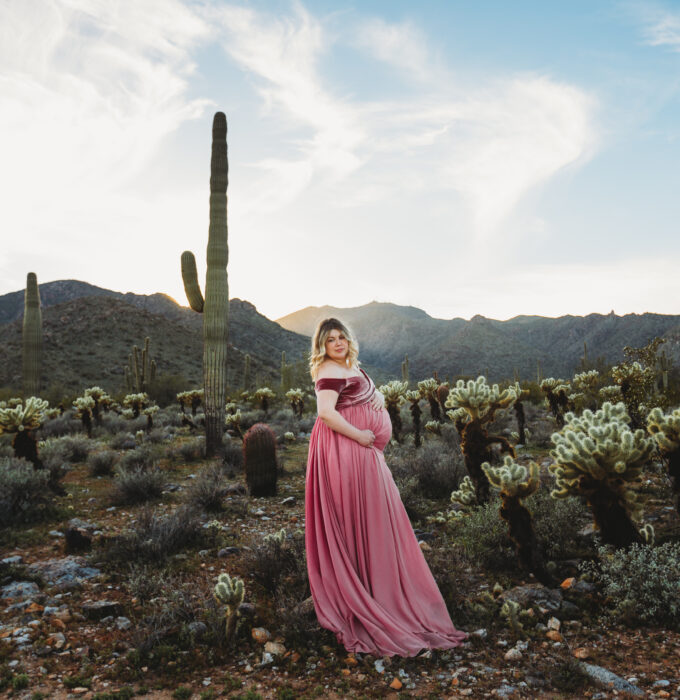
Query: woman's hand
x,y
366,438
377,401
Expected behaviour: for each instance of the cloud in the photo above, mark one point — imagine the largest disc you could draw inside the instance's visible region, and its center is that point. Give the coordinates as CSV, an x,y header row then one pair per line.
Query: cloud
x,y
663,29
490,145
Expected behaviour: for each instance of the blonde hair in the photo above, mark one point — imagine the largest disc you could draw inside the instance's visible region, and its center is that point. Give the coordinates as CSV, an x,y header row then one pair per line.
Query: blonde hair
x,y
318,353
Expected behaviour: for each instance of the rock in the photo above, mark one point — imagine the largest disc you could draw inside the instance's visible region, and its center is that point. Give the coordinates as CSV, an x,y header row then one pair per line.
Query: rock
x,y
260,635
505,691
56,533
123,623
57,641
554,624
396,684
12,561
607,679
424,546
246,610
98,609
19,589
534,594
480,633
513,655
581,653
78,524
227,551
379,665
198,629
554,635
289,501
306,607
661,684
424,536
77,540
267,658
236,489
275,648
66,573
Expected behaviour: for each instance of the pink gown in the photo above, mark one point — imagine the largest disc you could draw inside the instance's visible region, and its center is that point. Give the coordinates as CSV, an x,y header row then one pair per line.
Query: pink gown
x,y
369,580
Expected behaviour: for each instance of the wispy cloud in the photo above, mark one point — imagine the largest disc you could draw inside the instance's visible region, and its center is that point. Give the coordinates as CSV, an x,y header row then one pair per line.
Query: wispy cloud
x,y
663,29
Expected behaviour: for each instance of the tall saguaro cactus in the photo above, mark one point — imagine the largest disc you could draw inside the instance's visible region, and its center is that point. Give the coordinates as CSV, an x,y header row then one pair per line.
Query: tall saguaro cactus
x,y
215,307
32,337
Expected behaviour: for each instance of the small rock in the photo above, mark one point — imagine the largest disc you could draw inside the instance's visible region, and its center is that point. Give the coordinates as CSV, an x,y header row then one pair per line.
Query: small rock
x,y
554,635
661,684
480,633
123,623
379,665
267,658
248,668
424,546
98,609
227,551
203,553
288,501
513,655
554,624
16,559
582,653
198,629
19,589
396,684
56,533
57,640
506,690
606,679
275,648
260,635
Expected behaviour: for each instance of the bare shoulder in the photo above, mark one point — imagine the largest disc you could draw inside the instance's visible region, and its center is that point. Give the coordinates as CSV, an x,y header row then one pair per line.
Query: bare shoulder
x,y
329,370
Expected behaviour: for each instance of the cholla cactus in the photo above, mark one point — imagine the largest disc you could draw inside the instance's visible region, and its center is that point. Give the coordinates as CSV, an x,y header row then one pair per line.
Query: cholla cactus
x,y
230,592
428,389
510,611
297,403
557,397
586,384
102,401
610,393
515,482
466,494
518,407
150,412
264,395
474,404
23,419
84,406
598,456
636,383
191,399
276,539
135,403
289,436
434,427
665,429
394,393
414,397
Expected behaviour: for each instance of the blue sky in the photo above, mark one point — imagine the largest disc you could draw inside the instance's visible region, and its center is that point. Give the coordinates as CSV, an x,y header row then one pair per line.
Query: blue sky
x,y
491,157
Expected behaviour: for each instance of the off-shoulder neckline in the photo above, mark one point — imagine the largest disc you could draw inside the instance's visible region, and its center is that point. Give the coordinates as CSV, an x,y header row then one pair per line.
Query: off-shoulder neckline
x,y
352,376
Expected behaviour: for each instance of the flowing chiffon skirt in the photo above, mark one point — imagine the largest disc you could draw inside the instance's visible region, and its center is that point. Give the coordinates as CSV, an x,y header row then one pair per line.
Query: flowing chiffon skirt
x,y
369,580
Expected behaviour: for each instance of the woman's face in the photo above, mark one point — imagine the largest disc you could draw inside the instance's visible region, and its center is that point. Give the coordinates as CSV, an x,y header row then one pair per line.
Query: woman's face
x,y
337,345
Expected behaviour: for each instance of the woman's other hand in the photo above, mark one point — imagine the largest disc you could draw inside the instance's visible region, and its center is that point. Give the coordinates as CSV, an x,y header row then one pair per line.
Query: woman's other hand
x,y
366,438
377,401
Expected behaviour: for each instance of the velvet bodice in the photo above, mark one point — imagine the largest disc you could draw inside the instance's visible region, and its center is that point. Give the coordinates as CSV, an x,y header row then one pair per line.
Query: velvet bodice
x,y
352,390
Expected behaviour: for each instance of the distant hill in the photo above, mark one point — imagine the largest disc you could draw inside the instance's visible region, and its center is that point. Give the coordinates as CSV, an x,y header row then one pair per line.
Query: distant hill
x,y
89,333
387,332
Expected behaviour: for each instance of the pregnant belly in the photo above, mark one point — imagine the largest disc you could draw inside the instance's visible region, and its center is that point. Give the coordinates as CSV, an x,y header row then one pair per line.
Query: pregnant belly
x,y
365,418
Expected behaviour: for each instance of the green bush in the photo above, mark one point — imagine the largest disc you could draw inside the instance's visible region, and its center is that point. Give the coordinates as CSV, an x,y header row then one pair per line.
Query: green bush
x,y
641,585
65,450
207,490
25,494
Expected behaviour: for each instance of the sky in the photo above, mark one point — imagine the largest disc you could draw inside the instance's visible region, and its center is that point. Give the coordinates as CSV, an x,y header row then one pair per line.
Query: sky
x,y
465,158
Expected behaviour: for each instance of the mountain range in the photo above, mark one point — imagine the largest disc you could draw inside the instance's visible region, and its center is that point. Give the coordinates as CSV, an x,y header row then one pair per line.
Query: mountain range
x,y
89,332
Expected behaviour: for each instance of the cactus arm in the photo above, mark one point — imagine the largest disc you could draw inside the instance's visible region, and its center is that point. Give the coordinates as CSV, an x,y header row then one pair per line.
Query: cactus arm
x,y
190,279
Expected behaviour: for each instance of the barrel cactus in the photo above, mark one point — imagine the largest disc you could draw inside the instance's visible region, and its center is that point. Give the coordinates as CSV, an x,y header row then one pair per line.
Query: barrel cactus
x,y
599,457
259,458
515,482
474,405
215,307
31,338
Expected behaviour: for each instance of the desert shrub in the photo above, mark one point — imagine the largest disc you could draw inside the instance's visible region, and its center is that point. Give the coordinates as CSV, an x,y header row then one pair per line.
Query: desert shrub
x,y
165,388
6,450
557,522
189,451
274,559
208,489
142,457
411,497
62,425
102,463
284,421
71,448
249,418
641,584
438,469
233,454
137,485
157,436
153,538
124,440
25,494
112,423
484,538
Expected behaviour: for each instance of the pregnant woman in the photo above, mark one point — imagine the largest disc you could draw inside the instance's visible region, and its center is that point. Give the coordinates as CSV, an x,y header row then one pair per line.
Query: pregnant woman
x,y
370,583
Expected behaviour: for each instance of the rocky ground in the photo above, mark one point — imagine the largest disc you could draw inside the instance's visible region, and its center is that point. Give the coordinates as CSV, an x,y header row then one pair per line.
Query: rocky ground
x,y
71,624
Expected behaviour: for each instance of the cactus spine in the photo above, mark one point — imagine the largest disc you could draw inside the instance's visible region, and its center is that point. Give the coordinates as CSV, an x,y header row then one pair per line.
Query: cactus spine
x,y
215,307
32,337
259,458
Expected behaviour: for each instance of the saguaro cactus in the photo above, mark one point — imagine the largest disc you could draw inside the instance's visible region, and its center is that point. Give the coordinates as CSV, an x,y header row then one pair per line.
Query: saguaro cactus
x,y
215,307
259,459
31,337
